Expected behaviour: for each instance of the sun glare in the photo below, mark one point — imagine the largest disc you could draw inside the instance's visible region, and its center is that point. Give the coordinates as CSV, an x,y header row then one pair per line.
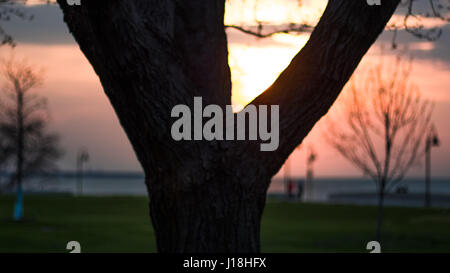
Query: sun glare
x,y
255,68
255,64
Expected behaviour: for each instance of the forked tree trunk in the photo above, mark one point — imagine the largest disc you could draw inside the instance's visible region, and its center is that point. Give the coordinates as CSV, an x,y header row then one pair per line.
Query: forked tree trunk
x,y
151,55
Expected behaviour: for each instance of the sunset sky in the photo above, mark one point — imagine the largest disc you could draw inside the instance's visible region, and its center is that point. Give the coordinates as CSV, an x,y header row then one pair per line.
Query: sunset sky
x,y
83,116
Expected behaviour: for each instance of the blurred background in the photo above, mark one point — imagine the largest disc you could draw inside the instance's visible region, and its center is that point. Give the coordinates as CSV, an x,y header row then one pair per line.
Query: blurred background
x,y
92,156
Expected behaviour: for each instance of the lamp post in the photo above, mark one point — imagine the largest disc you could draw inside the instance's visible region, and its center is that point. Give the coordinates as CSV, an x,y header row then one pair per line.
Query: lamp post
x,y
82,157
287,178
432,140
311,157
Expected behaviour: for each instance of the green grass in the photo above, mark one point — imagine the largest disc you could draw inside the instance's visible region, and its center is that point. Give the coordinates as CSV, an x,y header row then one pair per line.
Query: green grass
x,y
121,224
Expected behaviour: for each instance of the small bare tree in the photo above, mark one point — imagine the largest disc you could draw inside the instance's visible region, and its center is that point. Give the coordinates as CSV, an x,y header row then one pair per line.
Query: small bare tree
x,y
23,126
383,110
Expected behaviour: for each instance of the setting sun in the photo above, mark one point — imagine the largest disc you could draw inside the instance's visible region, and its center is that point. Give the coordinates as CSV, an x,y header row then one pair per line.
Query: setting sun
x,y
255,63
255,68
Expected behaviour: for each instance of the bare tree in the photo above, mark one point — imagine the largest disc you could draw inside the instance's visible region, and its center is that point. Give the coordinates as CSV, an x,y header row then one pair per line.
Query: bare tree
x,y
384,109
152,55
24,125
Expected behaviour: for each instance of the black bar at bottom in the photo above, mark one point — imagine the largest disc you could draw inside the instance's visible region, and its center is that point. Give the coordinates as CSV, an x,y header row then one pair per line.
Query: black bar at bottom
x,y
223,263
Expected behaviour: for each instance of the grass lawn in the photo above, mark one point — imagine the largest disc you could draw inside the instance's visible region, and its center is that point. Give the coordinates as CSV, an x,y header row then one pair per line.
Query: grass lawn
x,y
121,224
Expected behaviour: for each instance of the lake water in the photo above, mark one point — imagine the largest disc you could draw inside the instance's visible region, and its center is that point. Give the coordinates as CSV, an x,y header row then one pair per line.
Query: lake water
x,y
335,190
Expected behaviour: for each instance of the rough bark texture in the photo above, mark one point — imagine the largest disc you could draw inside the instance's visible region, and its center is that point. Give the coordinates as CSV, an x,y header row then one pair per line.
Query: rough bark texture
x,y
151,55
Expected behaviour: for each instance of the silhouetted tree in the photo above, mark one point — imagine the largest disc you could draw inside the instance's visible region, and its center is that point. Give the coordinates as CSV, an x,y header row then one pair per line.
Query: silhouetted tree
x,y
155,54
23,126
383,110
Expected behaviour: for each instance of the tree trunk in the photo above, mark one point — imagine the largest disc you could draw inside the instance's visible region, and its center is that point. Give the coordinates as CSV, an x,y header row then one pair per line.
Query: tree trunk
x,y
18,207
152,55
381,194
428,172
214,215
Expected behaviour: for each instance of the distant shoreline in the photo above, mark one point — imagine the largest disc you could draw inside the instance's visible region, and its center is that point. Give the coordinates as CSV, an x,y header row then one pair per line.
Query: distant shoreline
x,y
89,174
140,174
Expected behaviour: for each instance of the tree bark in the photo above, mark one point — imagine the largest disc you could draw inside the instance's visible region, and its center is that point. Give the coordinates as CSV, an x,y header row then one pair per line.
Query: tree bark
x,y
220,214
152,55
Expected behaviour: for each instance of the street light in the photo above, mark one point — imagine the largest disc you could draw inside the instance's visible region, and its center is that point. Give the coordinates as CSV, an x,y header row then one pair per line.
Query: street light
x,y
82,157
431,140
311,157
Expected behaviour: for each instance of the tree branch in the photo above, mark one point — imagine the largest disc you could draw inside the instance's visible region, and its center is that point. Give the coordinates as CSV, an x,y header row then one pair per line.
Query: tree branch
x,y
307,88
202,43
257,31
